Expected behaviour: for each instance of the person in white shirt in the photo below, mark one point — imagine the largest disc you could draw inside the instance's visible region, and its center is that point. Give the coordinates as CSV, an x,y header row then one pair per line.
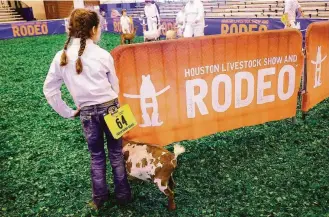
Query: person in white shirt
x,y
89,74
152,15
125,22
103,21
290,8
180,19
194,19
115,13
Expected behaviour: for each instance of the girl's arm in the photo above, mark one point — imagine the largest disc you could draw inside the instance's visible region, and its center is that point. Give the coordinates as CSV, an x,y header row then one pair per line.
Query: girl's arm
x,y
52,91
112,77
121,21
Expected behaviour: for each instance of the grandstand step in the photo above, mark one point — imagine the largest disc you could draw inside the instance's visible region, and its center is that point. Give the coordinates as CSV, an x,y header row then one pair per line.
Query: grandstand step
x,y
6,9
10,20
324,14
259,6
247,10
259,2
242,8
169,11
8,13
13,16
315,4
250,7
15,21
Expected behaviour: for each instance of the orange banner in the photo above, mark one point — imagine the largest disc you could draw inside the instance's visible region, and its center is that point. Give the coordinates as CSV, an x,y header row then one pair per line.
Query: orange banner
x,y
189,88
317,53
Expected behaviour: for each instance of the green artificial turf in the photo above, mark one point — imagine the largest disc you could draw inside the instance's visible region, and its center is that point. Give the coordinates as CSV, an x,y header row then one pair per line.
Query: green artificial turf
x,y
274,169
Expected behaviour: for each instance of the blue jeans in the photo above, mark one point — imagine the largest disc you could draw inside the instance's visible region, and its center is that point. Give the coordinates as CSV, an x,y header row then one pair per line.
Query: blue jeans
x,y
94,127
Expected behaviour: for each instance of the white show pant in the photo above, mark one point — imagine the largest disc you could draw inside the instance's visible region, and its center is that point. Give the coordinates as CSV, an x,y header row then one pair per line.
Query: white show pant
x,y
126,29
152,24
180,32
193,30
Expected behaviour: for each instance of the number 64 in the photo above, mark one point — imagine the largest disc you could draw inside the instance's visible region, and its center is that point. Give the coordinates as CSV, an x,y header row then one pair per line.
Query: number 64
x,y
121,122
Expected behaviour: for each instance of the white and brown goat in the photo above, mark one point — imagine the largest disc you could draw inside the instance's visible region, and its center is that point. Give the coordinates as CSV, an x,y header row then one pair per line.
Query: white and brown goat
x,y
153,163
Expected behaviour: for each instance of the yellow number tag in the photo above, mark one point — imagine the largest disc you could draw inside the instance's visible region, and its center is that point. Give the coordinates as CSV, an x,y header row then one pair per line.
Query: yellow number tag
x,y
120,122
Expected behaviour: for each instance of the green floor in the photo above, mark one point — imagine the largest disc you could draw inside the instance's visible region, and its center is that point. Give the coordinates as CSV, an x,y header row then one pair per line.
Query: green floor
x,y
275,169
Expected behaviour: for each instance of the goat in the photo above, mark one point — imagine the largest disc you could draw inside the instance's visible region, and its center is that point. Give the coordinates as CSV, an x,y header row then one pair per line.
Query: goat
x,y
171,34
153,35
128,36
153,163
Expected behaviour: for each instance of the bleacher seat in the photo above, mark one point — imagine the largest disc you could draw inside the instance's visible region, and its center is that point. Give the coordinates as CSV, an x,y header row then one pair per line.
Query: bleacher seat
x,y
242,8
8,15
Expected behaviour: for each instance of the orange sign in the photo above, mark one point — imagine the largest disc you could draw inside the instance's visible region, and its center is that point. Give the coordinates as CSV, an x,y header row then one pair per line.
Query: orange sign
x,y
317,49
189,88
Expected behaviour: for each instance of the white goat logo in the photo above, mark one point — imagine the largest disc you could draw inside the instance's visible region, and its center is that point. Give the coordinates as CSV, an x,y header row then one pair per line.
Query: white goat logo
x,y
147,91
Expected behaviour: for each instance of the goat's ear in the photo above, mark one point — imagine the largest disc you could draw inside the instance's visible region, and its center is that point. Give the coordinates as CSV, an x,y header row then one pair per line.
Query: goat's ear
x,y
143,76
148,76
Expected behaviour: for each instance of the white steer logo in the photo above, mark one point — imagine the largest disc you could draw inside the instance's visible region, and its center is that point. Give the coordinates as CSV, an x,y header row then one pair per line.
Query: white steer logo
x,y
147,91
318,66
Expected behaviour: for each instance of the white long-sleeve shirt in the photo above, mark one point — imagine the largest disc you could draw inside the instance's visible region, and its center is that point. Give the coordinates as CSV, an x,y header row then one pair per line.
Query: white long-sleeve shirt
x,y
194,12
151,11
96,84
180,18
124,21
290,7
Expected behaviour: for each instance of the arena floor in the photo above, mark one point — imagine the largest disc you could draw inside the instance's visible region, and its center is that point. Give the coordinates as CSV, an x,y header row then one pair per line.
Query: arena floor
x,y
274,169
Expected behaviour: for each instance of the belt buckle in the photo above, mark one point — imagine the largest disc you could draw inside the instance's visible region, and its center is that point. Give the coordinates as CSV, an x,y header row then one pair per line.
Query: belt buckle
x,y
113,108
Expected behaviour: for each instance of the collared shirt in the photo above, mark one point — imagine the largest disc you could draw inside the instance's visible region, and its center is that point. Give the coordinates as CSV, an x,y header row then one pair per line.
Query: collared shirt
x,y
151,11
96,84
290,8
194,12
125,21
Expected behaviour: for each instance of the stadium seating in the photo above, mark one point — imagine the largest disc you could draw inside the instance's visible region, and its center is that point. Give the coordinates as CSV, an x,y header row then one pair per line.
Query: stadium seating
x,y
7,14
242,9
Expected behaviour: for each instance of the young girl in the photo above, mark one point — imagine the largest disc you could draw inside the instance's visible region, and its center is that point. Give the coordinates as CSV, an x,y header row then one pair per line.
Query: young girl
x,y
125,22
88,72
